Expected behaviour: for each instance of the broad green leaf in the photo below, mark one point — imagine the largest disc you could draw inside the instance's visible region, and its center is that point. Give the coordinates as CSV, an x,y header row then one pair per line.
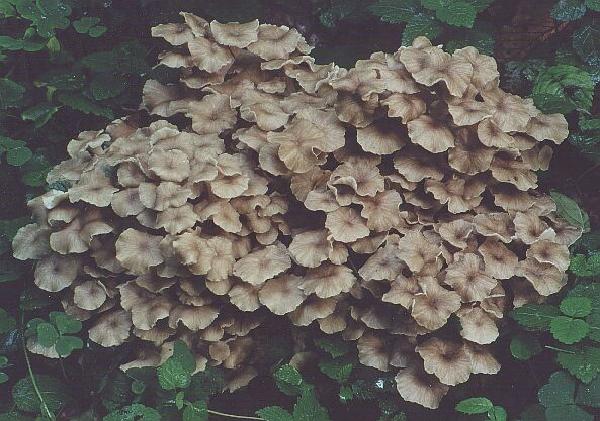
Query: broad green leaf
x,y
560,390
497,413
585,266
568,10
562,89
15,44
395,11
40,114
421,25
3,377
593,320
334,345
17,157
481,37
568,330
196,411
65,81
53,392
65,323
570,211
84,24
11,93
307,407
593,5
589,394
523,347
583,363
126,58
107,85
567,412
176,371
84,104
46,334
586,41
274,413
67,344
474,406
535,316
338,369
135,412
7,322
453,12
587,123
576,306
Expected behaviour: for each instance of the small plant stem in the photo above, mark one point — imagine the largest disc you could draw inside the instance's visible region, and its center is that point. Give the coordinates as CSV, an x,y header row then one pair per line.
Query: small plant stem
x,y
559,349
241,417
49,414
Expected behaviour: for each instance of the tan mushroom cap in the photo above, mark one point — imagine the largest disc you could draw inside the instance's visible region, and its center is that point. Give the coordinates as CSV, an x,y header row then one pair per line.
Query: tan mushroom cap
x,y
235,34
54,273
447,360
382,211
416,165
415,385
173,33
212,114
417,252
467,277
275,42
382,137
310,248
111,329
262,264
346,225
477,325
93,187
385,263
548,126
434,305
469,156
89,295
402,291
373,352
244,296
32,241
138,251
496,225
500,262
312,309
208,55
482,360
170,165
510,113
194,318
127,202
546,251
407,107
430,134
282,294
176,220
530,228
328,281
456,232
545,278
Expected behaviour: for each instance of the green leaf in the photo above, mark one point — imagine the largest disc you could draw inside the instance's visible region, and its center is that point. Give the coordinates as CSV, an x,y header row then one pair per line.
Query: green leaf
x,y
197,411
15,44
107,85
176,371
568,10
562,89
589,394
67,344
593,5
206,384
421,25
338,369
570,211
46,334
587,123
86,23
334,345
535,316
497,413
576,306
560,390
583,363
7,323
307,407
84,104
568,330
274,413
126,58
3,377
65,323
395,11
135,412
63,80
481,37
585,266
40,114
586,42
18,156
53,392
474,406
288,379
567,412
11,93
593,320
523,347
97,31
453,12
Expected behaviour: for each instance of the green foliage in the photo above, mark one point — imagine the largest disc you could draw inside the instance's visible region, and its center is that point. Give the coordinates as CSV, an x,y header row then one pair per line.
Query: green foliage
x,y
53,392
56,333
558,398
133,413
523,347
563,88
176,372
474,406
570,211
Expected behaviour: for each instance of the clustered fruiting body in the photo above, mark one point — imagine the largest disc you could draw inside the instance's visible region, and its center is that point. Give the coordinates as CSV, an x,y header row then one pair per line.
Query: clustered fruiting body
x,y
375,202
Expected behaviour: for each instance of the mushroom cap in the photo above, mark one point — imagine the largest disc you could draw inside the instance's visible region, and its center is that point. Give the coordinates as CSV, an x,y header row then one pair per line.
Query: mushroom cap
x,y
262,264
31,241
467,277
54,273
235,34
282,294
89,295
111,329
346,225
434,305
138,251
310,248
328,281
373,352
415,385
430,134
448,361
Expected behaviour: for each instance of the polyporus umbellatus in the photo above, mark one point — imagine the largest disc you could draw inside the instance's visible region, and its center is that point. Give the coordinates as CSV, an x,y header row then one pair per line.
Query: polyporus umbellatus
x,y
377,202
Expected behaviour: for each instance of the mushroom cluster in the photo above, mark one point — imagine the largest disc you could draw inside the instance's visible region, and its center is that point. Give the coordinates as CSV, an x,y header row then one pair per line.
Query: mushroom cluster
x,y
377,203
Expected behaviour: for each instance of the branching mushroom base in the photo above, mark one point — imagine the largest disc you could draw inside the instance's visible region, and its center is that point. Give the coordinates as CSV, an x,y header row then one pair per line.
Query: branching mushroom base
x,y
375,202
